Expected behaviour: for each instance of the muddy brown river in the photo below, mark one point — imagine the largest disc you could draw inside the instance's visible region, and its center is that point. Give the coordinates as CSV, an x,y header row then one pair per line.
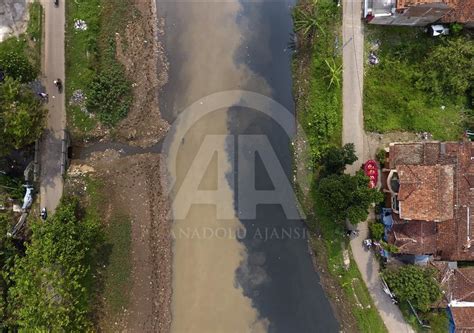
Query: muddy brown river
x,y
237,267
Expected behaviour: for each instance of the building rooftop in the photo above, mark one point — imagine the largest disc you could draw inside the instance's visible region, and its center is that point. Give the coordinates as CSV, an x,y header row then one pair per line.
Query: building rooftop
x,y
426,192
437,187
462,12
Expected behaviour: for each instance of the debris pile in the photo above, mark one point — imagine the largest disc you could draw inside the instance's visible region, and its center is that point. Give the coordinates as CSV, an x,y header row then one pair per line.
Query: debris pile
x,y
80,25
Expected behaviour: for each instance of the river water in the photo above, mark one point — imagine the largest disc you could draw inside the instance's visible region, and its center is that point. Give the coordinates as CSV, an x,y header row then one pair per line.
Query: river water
x,y
235,269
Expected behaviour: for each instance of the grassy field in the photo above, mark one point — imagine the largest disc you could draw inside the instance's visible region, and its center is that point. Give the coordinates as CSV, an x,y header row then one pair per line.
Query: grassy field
x,y
319,100
34,31
91,51
114,265
317,69
81,58
393,97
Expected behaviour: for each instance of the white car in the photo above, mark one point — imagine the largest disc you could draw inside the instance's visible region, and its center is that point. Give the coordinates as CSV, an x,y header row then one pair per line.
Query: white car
x,y
438,30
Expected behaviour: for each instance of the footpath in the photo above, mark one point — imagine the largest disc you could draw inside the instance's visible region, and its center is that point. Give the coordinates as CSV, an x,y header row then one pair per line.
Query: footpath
x,y
353,131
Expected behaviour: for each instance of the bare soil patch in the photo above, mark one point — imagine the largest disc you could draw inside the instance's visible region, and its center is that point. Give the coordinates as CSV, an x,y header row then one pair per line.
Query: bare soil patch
x,y
139,49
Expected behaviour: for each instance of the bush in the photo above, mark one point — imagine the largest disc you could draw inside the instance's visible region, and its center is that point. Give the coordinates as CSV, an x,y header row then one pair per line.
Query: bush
x,y
109,95
381,156
415,284
377,230
50,289
14,62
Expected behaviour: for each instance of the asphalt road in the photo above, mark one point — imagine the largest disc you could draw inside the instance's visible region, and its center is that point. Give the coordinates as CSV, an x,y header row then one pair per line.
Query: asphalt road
x,y
51,180
353,131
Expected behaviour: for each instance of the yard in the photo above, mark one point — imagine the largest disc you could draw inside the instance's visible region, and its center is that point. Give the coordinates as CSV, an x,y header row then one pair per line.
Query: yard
x,y
409,91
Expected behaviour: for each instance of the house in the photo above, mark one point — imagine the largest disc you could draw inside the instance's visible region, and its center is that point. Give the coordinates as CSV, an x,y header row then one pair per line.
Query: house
x,y
457,285
419,12
429,187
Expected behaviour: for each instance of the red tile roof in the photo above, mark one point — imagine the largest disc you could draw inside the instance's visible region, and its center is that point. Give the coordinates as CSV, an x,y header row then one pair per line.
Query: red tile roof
x,y
463,319
426,192
462,12
455,232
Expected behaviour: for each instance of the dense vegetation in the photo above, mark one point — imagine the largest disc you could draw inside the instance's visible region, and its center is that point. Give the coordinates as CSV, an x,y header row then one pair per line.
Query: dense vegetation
x,y
348,197
415,284
14,60
21,112
50,283
91,63
21,115
421,83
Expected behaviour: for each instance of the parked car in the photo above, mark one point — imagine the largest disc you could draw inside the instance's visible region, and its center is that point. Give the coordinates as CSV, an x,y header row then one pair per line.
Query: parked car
x,y
438,30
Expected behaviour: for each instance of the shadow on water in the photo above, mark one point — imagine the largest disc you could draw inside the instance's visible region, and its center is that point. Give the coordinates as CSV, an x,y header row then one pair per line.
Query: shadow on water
x,y
278,274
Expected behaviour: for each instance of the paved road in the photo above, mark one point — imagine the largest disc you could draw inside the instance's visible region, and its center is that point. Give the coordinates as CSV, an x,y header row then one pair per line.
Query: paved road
x,y
51,180
353,131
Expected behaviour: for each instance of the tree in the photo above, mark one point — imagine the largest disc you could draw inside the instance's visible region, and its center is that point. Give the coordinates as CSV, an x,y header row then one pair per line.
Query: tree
x,y
7,253
415,284
51,283
348,197
14,61
21,116
335,159
448,69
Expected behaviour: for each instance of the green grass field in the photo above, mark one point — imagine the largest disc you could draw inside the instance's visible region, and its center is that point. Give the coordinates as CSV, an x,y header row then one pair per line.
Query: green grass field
x,y
114,263
34,31
91,50
81,58
393,98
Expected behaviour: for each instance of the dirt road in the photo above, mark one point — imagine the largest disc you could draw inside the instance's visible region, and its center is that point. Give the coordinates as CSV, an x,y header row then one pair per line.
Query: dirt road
x,y
51,180
353,131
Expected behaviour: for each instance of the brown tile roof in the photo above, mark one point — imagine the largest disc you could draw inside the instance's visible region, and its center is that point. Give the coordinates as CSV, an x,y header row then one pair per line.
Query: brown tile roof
x,y
462,12
416,237
457,284
409,3
426,192
463,319
454,236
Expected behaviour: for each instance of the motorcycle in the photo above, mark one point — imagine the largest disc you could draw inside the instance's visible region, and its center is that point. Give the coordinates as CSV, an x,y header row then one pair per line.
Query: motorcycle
x,y
44,213
59,84
56,3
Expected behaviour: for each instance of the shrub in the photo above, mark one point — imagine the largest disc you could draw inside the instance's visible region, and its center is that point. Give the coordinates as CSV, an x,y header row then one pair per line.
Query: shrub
x,y
381,156
14,61
109,95
377,230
